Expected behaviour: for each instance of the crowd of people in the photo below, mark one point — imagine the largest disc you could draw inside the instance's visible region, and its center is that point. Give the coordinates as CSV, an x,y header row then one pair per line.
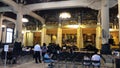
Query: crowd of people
x,y
46,53
93,60
51,50
12,53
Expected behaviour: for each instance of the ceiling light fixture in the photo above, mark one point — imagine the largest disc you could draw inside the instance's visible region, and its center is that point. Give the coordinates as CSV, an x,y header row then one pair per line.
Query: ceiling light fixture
x,y
72,26
118,16
3,25
65,15
25,20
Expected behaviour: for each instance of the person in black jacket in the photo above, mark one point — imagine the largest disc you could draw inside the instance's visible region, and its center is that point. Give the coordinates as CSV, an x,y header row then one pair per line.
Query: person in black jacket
x,y
17,49
90,47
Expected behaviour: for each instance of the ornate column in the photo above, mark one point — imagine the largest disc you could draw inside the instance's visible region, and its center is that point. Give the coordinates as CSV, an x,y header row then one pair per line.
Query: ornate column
x,y
18,26
105,20
59,35
98,36
1,20
119,18
43,34
79,37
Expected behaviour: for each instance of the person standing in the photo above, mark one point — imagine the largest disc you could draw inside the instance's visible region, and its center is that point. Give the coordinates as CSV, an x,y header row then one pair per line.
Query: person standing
x,y
44,49
17,50
37,53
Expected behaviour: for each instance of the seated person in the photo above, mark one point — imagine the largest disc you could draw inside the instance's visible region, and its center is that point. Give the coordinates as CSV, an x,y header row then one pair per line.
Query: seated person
x,y
116,53
91,48
47,58
64,48
96,57
86,60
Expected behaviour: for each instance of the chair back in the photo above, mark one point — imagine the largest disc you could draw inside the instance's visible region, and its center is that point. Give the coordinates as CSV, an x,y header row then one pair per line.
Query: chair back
x,y
87,62
95,63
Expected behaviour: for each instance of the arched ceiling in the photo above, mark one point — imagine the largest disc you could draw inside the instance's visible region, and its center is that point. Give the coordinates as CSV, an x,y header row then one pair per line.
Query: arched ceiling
x,y
51,16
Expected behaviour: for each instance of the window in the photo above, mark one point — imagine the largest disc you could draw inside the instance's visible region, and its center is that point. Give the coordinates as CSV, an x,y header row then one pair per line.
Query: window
x,y
9,35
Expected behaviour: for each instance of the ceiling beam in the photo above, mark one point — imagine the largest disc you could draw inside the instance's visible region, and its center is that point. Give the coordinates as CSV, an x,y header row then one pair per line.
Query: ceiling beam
x,y
11,3
37,17
6,9
16,7
9,19
54,5
94,4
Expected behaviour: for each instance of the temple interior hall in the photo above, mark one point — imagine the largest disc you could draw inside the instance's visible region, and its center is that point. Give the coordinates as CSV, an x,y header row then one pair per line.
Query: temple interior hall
x,y
70,30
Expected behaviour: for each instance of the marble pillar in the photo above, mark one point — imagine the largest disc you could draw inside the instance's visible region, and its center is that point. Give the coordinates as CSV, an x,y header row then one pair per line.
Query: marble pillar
x,y
18,26
79,37
98,36
1,20
59,35
43,34
105,21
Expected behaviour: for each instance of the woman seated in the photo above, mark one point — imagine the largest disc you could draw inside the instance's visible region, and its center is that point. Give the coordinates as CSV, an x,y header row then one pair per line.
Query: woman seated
x,y
47,58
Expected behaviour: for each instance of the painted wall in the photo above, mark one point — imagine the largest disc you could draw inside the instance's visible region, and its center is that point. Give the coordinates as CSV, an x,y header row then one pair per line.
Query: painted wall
x,y
29,39
4,35
115,36
48,39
